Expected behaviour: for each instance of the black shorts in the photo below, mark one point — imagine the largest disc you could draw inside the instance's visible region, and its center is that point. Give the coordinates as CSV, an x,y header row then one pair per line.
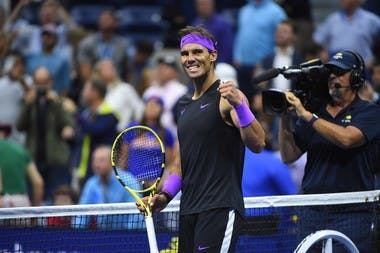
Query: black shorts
x,y
211,231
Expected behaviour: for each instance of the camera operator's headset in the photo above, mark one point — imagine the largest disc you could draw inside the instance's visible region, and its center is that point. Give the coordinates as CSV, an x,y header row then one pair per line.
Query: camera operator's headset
x,y
357,77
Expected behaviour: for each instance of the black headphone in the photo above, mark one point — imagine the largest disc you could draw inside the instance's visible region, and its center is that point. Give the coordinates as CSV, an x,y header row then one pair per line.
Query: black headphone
x,y
357,77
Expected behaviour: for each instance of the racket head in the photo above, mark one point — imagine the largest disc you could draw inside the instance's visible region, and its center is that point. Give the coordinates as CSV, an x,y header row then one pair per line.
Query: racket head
x,y
138,159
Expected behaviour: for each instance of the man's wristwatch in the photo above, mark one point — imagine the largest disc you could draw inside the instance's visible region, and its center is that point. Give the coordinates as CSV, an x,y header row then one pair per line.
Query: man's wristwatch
x,y
313,119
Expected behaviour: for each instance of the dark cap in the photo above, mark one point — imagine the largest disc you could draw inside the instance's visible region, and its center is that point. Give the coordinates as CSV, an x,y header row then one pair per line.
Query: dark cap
x,y
50,29
344,60
168,60
157,99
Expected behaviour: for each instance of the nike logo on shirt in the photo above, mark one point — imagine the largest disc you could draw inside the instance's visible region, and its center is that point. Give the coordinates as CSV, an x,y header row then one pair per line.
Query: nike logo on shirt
x,y
203,106
200,248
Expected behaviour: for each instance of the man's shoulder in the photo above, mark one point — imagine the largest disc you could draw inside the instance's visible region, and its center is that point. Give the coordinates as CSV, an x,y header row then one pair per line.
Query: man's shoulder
x,y
184,100
89,41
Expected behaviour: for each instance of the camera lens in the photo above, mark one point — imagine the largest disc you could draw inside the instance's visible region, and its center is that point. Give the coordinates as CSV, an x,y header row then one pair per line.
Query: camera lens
x,y
41,92
274,102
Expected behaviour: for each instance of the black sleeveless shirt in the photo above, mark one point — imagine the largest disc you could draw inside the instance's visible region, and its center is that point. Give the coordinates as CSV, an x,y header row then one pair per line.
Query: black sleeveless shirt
x,y
212,156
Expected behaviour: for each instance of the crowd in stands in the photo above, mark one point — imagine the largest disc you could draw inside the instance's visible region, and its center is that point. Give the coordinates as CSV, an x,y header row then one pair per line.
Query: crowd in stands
x,y
75,73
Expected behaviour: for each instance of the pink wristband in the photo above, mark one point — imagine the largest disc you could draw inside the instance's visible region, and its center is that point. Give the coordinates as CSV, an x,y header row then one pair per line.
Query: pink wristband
x,y
244,114
172,185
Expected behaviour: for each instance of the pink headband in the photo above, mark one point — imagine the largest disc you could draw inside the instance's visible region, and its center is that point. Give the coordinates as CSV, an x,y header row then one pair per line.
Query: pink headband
x,y
193,38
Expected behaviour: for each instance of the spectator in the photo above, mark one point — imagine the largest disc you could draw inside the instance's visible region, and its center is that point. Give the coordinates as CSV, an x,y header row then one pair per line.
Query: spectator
x,y
285,54
173,13
350,28
265,174
167,87
16,170
103,187
63,195
13,86
48,127
341,145
312,50
218,26
121,96
28,36
104,44
97,125
254,40
57,65
140,64
300,12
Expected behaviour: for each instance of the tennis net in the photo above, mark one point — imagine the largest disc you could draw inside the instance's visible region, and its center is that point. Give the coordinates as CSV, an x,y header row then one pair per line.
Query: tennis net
x,y
273,224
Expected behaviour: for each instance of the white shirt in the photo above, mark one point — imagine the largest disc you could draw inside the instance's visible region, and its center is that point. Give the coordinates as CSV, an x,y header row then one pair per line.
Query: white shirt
x,y
170,93
126,102
281,59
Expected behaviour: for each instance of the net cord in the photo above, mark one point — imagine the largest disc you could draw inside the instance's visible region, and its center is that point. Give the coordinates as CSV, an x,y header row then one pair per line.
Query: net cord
x,y
251,202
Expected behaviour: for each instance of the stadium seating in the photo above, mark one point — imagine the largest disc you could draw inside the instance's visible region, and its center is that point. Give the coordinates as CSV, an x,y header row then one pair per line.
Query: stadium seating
x,y
87,15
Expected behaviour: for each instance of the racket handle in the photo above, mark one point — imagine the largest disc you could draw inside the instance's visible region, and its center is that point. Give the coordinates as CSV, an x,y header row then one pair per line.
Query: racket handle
x,y
151,234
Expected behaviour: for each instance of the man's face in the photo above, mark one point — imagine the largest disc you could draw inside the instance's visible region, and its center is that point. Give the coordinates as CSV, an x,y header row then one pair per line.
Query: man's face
x,y
49,40
339,82
48,14
107,72
18,68
153,110
196,60
88,93
284,35
107,23
101,163
347,5
205,8
42,79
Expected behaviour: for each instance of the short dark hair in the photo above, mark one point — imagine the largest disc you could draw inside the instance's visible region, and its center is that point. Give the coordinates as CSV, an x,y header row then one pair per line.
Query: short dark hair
x,y
292,25
312,48
68,191
197,30
99,86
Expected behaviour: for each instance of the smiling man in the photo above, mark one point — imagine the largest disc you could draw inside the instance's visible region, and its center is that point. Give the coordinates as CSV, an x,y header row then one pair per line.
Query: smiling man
x,y
214,124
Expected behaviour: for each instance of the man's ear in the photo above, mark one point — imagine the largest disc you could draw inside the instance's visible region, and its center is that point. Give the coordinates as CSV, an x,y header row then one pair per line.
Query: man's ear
x,y
213,56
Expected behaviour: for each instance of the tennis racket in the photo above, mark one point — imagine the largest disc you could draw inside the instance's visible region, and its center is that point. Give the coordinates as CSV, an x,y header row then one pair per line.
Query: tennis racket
x,y
138,161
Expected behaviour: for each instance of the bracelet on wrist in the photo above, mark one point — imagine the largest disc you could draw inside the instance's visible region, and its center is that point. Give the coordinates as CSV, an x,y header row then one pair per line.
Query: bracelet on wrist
x,y
313,119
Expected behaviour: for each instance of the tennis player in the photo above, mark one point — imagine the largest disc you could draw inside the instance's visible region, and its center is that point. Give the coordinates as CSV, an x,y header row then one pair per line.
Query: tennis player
x,y
214,125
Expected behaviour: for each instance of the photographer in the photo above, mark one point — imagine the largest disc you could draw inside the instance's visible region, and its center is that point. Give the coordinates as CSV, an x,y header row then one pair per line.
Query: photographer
x,y
48,128
339,139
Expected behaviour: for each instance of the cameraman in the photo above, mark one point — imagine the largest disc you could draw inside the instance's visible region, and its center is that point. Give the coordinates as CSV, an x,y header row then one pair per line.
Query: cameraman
x,y
339,140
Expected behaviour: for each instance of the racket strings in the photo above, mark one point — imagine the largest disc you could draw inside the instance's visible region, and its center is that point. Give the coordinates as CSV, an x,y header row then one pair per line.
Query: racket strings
x,y
138,153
